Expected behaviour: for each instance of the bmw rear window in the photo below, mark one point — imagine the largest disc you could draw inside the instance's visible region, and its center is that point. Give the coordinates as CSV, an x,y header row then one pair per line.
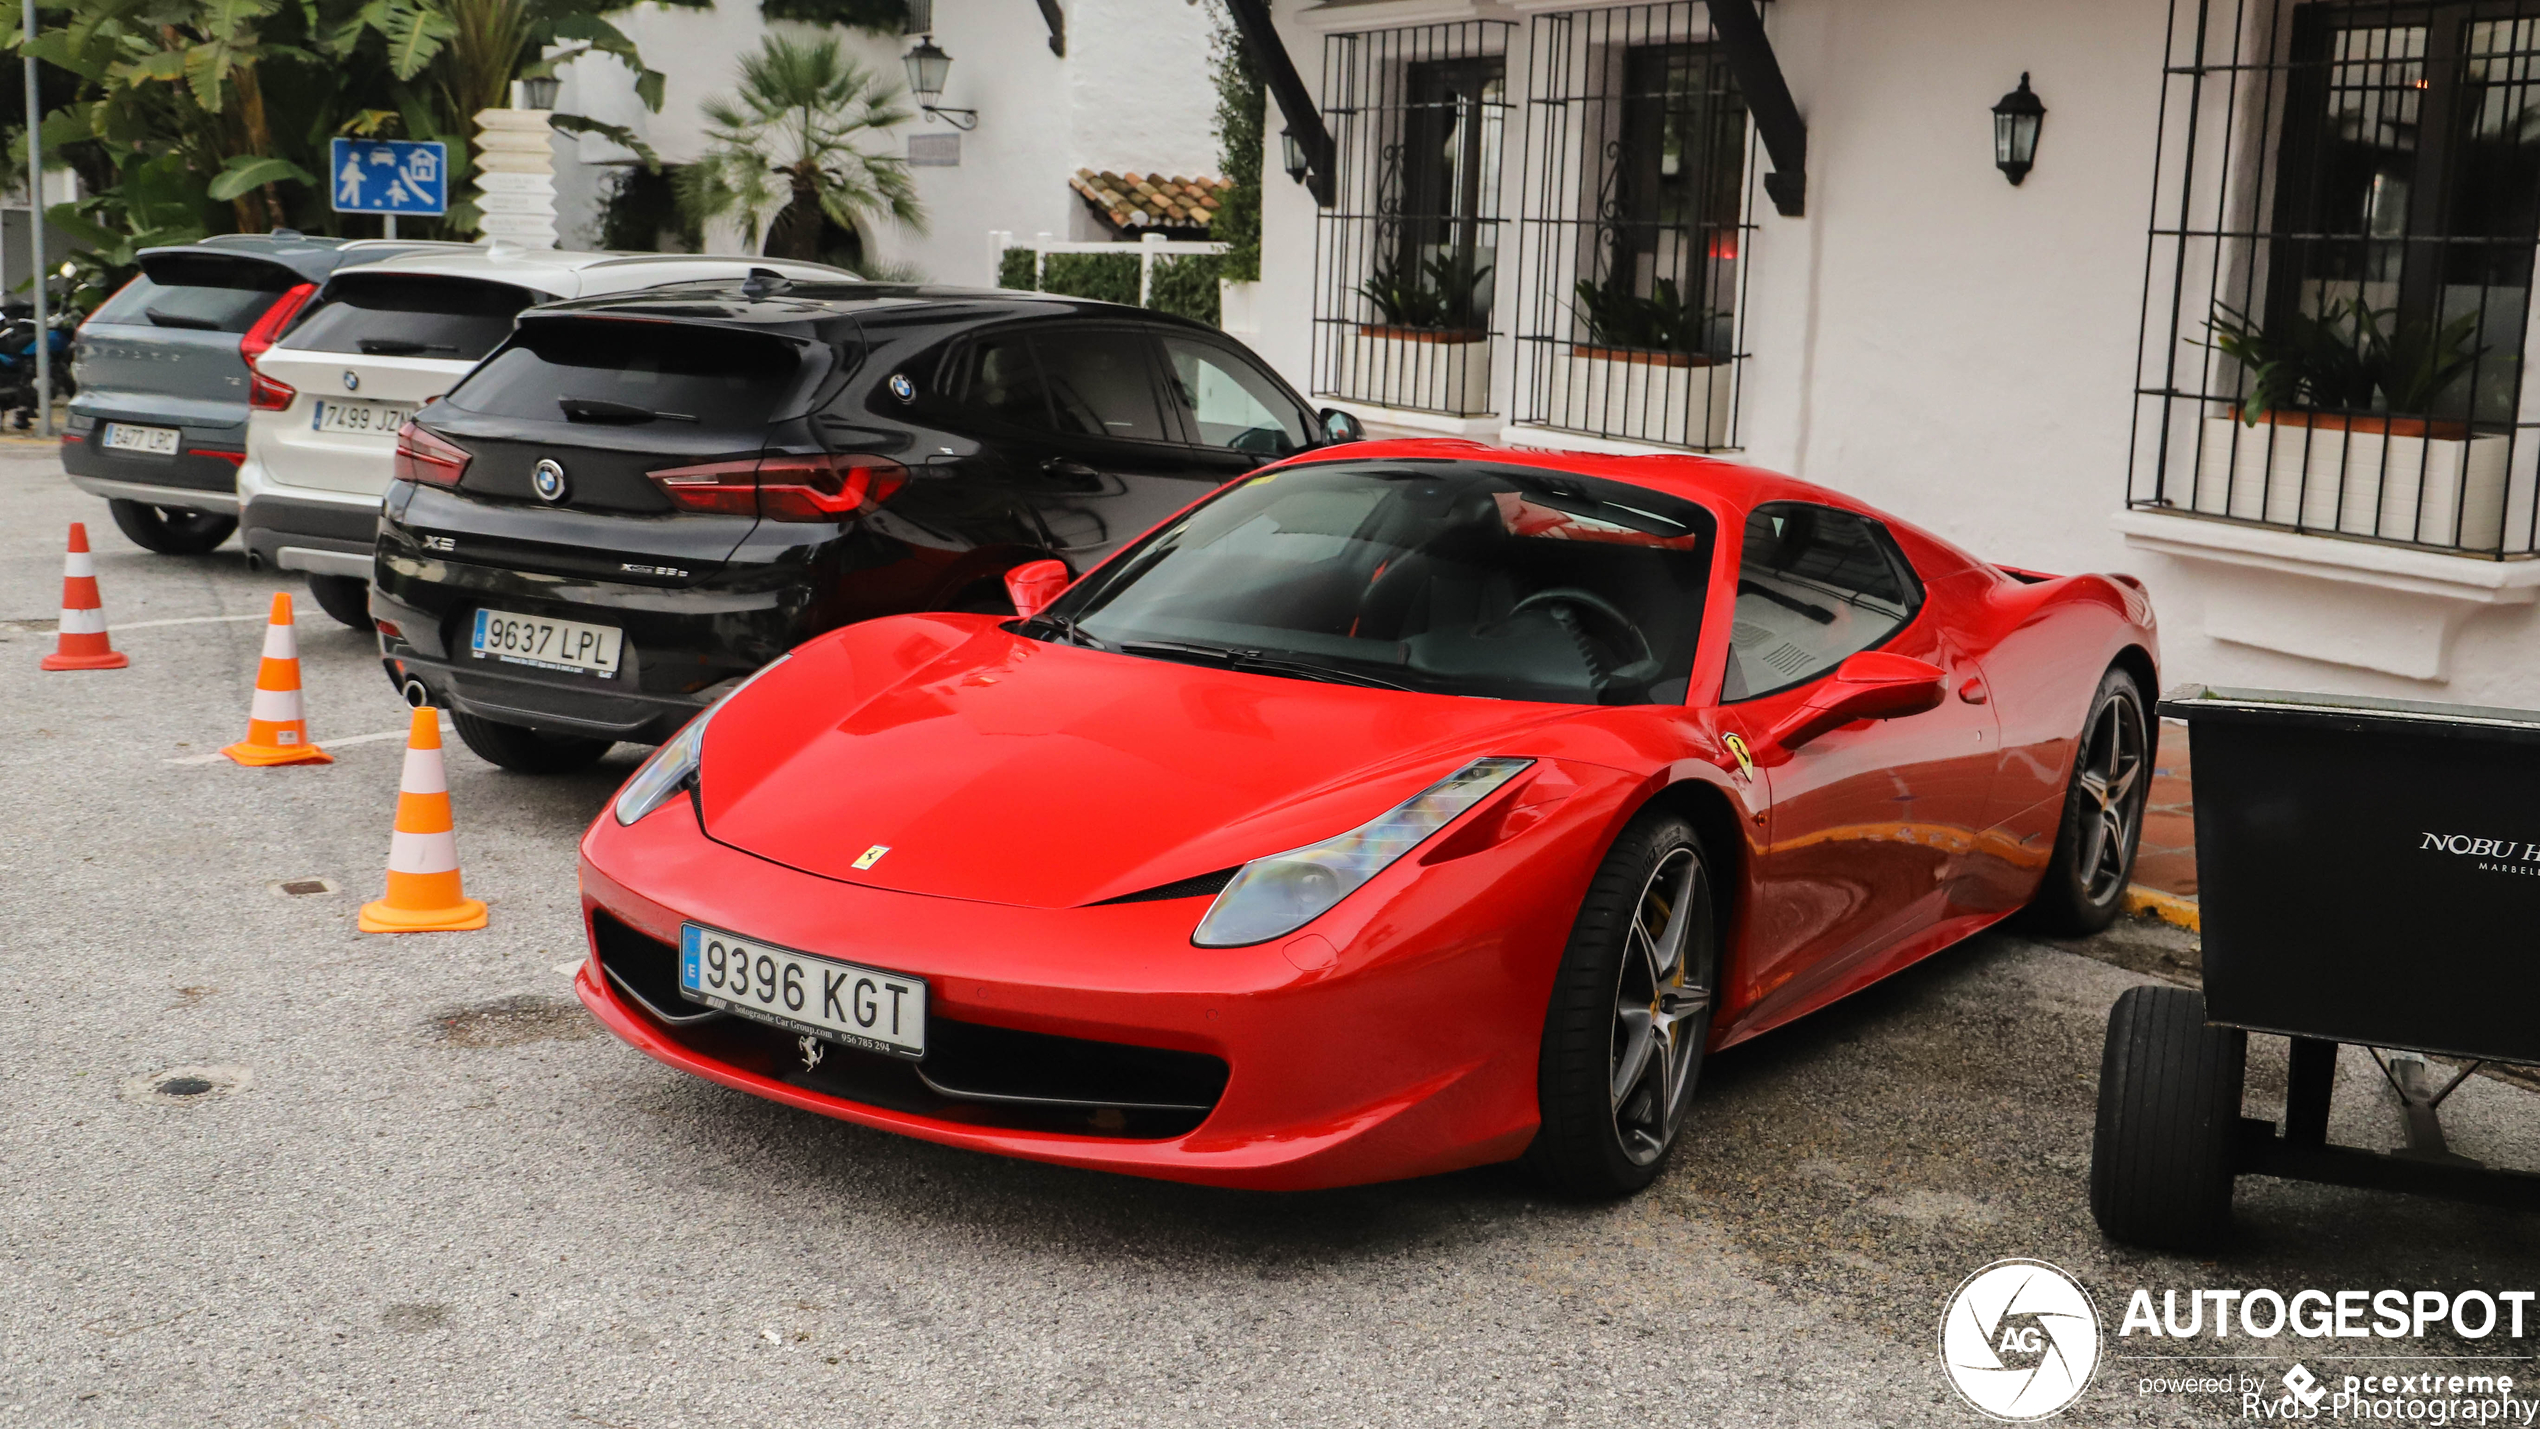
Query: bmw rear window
x,y
681,372
412,315
202,292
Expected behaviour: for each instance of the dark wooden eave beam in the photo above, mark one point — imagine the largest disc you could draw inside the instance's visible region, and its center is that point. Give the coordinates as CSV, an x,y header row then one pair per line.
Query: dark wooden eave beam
x,y
1777,121
1058,27
1296,106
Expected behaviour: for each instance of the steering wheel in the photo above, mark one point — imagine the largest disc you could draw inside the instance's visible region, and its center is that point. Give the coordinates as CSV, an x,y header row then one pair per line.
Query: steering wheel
x,y
1640,669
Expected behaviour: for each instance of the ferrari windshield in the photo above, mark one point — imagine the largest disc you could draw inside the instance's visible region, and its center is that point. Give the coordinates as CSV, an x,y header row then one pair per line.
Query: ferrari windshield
x,y
1449,577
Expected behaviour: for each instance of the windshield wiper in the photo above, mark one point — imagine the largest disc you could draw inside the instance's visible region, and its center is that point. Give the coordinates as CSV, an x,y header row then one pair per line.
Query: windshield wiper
x,y
400,346
183,320
1255,660
1066,629
1791,603
600,409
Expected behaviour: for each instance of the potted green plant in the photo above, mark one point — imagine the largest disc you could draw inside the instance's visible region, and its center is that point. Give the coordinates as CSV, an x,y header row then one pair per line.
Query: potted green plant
x,y
1641,373
1427,346
2337,430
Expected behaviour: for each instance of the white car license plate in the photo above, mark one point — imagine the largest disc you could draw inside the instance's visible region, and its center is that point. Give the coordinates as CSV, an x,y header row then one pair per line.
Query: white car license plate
x,y
374,418
820,997
548,644
151,441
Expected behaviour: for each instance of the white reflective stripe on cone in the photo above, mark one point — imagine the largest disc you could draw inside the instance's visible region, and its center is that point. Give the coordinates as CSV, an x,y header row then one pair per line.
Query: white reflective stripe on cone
x,y
78,563
82,622
422,853
279,645
422,774
275,706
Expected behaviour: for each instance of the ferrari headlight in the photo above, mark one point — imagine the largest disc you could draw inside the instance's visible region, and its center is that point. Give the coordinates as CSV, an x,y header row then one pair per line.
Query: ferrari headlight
x,y
1284,892
675,763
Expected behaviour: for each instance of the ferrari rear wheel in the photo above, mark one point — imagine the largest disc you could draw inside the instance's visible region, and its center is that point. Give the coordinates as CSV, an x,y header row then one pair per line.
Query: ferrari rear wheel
x,y
1631,1014
2093,862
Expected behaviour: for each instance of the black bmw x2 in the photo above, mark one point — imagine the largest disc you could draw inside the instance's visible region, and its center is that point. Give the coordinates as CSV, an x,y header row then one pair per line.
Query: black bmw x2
x,y
636,501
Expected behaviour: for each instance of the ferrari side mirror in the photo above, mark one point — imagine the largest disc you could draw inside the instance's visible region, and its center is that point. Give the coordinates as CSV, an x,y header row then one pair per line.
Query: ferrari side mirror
x,y
1034,584
1871,685
1340,426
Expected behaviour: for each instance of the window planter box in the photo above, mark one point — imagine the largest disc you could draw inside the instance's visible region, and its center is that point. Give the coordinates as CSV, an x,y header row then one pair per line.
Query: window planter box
x,y
2396,478
1429,369
1636,394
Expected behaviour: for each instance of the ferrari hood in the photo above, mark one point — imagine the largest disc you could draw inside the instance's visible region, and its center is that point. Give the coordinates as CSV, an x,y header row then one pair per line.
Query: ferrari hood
x,y
1011,771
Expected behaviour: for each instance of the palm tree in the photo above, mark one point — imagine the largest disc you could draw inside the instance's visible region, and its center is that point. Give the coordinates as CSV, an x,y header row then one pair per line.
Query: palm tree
x,y
793,144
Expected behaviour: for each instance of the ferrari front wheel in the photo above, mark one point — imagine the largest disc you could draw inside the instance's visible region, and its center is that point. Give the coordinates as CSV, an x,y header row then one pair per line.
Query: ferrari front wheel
x,y
1630,1015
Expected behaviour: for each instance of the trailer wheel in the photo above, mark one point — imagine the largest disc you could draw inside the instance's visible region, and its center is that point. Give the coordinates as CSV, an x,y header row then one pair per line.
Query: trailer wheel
x,y
2169,1109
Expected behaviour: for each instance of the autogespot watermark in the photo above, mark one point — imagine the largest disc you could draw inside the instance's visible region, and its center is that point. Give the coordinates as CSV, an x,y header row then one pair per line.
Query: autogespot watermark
x,y
2021,1339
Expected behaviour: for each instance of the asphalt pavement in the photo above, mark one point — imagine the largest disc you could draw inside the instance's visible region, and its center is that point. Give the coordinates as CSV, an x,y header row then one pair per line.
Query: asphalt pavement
x,y
424,1188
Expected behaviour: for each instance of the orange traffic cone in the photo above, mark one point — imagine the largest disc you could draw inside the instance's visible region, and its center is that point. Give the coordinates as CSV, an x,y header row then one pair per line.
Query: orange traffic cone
x,y
423,857
277,726
82,643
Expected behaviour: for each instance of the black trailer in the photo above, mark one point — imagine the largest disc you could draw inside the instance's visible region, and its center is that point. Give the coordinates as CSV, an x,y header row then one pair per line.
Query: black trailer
x,y
2368,871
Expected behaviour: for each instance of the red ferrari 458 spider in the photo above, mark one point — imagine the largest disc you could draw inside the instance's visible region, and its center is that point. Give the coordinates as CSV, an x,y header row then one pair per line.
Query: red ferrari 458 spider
x,y
1402,807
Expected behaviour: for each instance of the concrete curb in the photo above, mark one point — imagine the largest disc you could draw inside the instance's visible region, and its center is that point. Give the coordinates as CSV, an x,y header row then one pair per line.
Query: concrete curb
x,y
2168,907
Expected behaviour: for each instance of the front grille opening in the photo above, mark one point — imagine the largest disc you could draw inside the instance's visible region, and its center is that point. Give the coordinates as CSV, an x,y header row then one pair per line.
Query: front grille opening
x,y
973,1075
646,969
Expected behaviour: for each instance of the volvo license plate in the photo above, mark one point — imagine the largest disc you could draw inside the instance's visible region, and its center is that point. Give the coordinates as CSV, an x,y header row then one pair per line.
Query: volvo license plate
x,y
820,997
149,441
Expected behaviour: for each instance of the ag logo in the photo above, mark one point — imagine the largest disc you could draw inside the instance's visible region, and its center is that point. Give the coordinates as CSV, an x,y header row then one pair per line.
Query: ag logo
x,y
2019,1340
2305,1385
547,479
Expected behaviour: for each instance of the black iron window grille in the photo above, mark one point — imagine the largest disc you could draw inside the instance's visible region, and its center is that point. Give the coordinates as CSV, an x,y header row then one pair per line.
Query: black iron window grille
x,y
1408,254
1637,162
2338,286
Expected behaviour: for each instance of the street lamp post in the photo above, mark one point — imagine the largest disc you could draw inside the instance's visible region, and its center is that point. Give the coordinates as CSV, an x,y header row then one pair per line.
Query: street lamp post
x,y
35,234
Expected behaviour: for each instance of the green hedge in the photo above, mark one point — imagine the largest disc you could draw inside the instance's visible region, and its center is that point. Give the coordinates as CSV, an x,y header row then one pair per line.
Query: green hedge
x,y
1185,284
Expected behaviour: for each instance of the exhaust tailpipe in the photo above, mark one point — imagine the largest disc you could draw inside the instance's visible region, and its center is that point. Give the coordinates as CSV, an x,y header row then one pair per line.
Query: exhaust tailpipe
x,y
416,695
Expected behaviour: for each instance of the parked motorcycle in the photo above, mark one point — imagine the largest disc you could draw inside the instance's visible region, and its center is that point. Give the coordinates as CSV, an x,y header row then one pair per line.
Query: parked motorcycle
x,y
17,360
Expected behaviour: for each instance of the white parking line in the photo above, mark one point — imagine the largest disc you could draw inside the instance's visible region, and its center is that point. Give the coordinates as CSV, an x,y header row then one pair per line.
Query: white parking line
x,y
41,626
386,734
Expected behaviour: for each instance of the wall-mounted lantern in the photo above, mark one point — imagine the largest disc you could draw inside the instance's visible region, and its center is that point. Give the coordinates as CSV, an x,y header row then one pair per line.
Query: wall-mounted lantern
x,y
539,92
1293,157
928,68
2016,117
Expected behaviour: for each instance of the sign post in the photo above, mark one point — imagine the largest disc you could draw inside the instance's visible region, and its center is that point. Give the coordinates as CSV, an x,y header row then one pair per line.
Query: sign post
x,y
389,177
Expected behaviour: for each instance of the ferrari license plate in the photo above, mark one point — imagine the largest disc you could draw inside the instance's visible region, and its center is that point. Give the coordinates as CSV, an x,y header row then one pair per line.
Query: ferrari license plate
x,y
819,997
365,418
546,643
150,441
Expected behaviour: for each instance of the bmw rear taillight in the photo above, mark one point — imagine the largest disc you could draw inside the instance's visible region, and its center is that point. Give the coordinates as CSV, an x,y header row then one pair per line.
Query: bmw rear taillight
x,y
266,395
426,458
828,487
253,342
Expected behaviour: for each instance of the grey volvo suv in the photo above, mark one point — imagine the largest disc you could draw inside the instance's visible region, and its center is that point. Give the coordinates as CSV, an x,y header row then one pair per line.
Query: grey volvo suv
x,y
160,423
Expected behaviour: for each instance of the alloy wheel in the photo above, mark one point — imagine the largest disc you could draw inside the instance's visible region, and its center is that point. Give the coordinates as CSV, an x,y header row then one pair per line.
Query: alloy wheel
x,y
1662,1005
2112,789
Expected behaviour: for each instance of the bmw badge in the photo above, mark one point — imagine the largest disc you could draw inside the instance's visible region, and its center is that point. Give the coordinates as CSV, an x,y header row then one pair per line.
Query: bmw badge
x,y
352,380
902,388
548,478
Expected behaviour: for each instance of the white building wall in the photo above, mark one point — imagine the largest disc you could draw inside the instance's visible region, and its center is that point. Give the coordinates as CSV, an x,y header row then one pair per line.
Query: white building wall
x,y
1956,350
1132,93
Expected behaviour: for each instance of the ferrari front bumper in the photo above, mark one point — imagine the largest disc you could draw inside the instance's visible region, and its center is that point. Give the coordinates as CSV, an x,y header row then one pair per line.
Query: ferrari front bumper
x,y
1394,1037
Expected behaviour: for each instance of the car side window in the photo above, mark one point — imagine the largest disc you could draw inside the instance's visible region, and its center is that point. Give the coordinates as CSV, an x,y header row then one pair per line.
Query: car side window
x,y
1815,585
1100,383
1231,403
1005,383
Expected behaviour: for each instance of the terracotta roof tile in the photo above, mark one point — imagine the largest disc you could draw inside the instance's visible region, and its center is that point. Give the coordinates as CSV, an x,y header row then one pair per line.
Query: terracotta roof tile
x,y
1135,200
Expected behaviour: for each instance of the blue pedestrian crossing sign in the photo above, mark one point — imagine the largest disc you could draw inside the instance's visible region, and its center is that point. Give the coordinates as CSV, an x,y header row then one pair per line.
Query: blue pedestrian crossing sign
x,y
389,176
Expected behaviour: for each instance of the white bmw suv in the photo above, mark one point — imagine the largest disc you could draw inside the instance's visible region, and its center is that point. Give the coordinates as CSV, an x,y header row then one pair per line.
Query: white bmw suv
x,y
326,401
